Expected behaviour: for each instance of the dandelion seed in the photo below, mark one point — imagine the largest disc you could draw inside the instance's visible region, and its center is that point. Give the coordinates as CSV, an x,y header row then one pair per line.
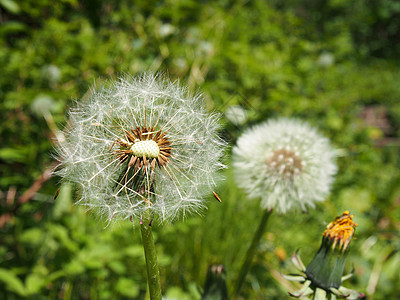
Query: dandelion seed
x,y
140,144
286,163
217,197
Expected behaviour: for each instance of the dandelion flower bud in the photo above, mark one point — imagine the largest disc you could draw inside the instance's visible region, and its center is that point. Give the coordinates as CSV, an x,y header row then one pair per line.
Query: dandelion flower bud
x,y
326,268
141,144
286,163
215,285
323,276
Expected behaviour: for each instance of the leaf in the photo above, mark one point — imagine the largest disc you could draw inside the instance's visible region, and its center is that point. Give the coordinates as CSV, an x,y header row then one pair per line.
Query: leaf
x,y
12,27
61,233
127,287
13,283
13,155
11,6
117,266
74,267
34,283
175,292
134,251
32,236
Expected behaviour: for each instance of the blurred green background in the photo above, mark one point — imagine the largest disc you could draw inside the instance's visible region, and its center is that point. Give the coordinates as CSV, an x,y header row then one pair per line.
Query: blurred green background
x,y
333,63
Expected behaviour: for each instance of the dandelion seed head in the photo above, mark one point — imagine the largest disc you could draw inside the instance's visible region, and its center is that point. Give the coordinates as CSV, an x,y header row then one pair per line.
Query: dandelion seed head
x,y
286,163
142,143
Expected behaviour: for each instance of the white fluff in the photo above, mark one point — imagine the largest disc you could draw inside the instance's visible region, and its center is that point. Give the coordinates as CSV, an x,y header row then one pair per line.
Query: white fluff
x,y
256,169
126,104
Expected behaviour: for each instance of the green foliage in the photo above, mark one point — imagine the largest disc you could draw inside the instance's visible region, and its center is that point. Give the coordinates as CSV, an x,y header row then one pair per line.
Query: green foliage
x,y
326,62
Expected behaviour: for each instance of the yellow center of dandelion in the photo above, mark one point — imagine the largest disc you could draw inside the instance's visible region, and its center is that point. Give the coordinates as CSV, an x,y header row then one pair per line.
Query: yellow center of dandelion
x,y
341,230
286,162
147,148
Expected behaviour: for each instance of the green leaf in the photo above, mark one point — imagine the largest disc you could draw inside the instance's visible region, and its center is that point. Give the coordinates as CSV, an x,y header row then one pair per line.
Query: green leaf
x,y
61,233
34,283
13,155
175,292
12,27
134,251
127,287
74,268
13,283
11,6
117,266
32,236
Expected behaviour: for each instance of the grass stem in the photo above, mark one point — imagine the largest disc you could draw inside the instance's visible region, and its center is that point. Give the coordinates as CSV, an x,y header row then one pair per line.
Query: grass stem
x,y
250,253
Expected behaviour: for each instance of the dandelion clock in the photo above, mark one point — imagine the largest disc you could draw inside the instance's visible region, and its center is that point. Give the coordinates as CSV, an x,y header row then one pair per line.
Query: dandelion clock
x,y
142,147
286,164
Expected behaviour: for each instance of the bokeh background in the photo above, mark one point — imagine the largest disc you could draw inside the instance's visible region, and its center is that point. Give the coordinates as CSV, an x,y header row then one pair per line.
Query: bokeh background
x,y
332,63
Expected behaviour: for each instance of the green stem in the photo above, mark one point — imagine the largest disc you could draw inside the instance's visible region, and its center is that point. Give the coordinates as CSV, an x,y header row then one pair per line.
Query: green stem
x,y
250,253
153,272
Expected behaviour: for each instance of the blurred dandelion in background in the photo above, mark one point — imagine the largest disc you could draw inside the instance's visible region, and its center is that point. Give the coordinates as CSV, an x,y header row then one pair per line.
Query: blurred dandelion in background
x,y
323,276
236,114
140,144
286,163
326,59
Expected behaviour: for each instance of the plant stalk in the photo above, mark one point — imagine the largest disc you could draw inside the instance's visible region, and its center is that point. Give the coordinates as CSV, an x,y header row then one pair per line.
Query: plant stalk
x,y
153,272
250,253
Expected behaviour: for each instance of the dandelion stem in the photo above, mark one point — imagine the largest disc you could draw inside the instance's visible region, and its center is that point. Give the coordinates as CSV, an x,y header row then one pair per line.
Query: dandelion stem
x,y
250,253
153,272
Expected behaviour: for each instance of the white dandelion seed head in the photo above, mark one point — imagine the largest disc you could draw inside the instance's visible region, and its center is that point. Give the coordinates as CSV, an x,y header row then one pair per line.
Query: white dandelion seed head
x,y
142,143
236,114
286,163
